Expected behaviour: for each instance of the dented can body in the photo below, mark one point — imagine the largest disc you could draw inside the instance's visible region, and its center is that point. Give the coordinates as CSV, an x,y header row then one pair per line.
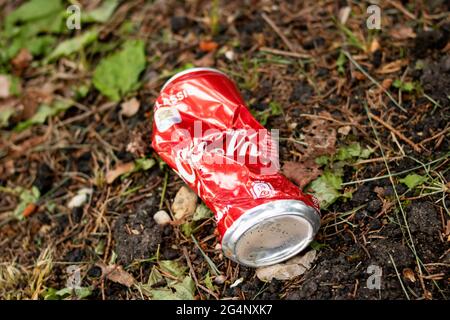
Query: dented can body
x,y
205,132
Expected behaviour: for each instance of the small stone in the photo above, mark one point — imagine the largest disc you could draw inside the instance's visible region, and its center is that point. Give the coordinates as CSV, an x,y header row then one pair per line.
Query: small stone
x,y
288,270
162,218
184,203
220,279
229,55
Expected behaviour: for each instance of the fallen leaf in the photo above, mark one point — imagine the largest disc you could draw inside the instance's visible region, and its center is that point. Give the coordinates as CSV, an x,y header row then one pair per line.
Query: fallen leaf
x,y
206,61
101,13
289,269
301,173
119,73
73,45
184,203
118,171
208,46
413,180
29,210
344,13
44,111
447,228
130,107
402,33
386,84
344,130
319,138
116,274
22,60
4,86
409,274
374,45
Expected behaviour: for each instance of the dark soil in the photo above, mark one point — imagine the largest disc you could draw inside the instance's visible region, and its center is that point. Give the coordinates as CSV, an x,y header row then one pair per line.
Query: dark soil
x,y
404,233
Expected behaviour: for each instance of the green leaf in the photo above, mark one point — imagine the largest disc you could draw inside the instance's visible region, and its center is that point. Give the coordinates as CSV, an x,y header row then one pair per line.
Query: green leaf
x,y
317,246
413,180
155,277
187,228
81,293
43,113
73,45
119,73
347,152
50,294
208,282
184,290
144,164
340,63
275,108
202,212
26,197
322,160
326,188
5,114
404,86
33,10
172,267
102,13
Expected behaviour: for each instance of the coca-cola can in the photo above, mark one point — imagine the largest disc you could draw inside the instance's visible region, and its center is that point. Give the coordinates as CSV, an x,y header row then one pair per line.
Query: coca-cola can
x,y
203,129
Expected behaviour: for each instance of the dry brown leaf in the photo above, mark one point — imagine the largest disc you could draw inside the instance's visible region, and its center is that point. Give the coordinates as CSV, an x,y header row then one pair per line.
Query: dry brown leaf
x,y
206,61
33,97
130,107
301,173
116,274
447,228
402,33
22,60
4,86
184,203
392,67
344,130
208,46
320,138
386,84
118,171
374,45
409,274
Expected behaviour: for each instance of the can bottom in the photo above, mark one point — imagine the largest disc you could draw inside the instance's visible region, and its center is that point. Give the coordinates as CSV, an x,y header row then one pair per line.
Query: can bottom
x,y
271,233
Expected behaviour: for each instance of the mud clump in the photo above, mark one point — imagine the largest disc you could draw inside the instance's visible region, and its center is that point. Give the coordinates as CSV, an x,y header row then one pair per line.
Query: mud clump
x,y
137,236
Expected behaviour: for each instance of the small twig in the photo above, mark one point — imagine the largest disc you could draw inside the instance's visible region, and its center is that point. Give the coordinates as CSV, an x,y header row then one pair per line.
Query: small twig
x,y
188,261
396,132
278,32
402,9
399,278
434,137
285,53
361,69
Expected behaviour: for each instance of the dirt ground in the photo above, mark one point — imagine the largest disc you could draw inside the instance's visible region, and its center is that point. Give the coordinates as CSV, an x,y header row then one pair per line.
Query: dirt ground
x,y
387,90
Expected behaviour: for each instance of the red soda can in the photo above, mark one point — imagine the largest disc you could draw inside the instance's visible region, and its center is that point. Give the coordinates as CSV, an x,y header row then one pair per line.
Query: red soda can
x,y
203,130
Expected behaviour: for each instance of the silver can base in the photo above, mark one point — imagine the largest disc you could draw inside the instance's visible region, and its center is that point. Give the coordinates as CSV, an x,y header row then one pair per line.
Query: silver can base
x,y
271,233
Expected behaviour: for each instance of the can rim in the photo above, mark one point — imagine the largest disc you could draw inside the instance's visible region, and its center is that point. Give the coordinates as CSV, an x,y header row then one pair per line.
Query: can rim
x,y
190,70
274,209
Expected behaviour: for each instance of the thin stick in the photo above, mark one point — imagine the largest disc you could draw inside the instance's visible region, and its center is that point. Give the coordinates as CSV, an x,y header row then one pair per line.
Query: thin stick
x,y
278,32
186,255
285,53
349,56
396,132
399,278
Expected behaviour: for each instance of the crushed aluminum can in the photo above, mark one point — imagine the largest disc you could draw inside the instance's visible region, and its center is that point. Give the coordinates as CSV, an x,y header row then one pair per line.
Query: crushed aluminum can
x,y
205,132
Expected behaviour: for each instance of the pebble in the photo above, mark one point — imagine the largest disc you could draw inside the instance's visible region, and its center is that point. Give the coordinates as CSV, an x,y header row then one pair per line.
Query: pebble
x,y
184,203
162,218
